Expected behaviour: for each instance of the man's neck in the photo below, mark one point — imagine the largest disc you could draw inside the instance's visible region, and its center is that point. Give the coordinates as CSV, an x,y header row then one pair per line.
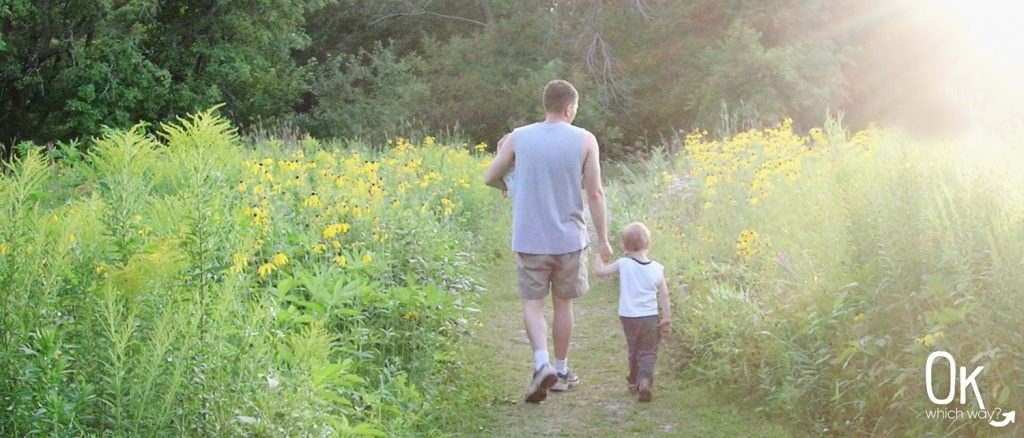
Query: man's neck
x,y
554,118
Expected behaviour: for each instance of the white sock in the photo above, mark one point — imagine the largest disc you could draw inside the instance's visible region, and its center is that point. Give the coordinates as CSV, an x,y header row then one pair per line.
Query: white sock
x,y
561,365
540,358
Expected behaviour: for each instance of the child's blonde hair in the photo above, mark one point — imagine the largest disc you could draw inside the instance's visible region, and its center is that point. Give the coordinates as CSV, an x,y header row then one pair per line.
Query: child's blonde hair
x,y
636,237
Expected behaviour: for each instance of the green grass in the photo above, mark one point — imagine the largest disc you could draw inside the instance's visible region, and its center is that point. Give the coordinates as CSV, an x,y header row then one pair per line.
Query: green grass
x,y
497,362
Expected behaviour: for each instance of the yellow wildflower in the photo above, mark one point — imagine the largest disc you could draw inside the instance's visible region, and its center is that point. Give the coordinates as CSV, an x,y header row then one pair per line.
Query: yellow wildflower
x,y
4,248
340,260
449,206
929,340
335,229
266,269
312,201
239,262
280,260
367,258
747,244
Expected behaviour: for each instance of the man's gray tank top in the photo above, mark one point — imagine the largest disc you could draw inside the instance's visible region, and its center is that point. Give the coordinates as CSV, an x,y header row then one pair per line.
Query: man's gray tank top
x,y
547,204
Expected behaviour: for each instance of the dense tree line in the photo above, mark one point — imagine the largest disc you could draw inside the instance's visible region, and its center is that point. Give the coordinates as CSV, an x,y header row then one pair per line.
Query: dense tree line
x,y
371,67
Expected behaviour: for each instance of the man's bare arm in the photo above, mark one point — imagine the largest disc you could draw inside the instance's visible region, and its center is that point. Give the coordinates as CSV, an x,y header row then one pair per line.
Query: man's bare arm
x,y
501,164
595,194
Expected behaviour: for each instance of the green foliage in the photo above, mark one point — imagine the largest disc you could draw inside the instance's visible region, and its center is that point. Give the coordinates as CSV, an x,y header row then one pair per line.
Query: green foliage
x,y
151,300
365,95
823,270
370,69
72,67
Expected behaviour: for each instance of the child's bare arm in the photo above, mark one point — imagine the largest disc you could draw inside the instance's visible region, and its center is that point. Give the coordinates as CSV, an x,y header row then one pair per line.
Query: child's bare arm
x,y
665,321
602,270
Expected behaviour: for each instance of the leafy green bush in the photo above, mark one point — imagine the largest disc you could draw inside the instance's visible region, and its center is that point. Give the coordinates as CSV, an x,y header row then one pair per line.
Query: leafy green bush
x,y
824,270
178,282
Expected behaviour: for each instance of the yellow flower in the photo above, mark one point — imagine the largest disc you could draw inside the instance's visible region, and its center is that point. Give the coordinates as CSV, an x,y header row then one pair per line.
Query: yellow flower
x,y
929,340
428,141
4,248
319,248
340,260
411,314
266,269
312,201
449,206
136,218
280,260
480,147
747,244
858,317
334,229
367,258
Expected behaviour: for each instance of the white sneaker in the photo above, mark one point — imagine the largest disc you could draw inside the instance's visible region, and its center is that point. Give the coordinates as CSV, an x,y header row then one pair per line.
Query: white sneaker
x,y
566,381
543,379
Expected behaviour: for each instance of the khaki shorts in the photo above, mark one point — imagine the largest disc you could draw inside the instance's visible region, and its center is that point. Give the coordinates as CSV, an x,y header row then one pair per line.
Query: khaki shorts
x,y
565,275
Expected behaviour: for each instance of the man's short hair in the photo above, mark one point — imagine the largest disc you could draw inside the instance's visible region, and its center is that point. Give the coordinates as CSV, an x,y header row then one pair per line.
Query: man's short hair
x,y
558,94
636,237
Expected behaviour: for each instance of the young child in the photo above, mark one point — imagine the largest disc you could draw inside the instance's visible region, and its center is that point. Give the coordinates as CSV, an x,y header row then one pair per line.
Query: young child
x,y
641,288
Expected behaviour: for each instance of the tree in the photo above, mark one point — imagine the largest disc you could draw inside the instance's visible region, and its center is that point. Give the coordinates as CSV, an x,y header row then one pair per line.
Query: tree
x,y
72,66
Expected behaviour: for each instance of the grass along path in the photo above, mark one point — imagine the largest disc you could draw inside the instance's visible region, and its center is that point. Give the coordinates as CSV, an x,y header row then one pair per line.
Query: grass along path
x,y
499,366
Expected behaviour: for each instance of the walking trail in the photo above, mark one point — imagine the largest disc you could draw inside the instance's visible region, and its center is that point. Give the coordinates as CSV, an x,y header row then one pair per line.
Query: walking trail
x,y
600,406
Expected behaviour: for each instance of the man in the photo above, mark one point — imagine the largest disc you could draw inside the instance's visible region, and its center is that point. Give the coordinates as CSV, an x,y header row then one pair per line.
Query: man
x,y
552,158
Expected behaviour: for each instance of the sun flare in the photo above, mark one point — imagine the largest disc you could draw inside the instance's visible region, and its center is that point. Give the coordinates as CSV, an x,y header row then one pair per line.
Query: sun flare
x,y
990,28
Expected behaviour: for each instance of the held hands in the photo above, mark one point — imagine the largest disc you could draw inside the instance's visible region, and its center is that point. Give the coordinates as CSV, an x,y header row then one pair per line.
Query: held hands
x,y
665,326
606,251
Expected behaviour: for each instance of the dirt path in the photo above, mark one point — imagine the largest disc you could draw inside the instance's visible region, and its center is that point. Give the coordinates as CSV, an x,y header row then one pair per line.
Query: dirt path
x,y
600,405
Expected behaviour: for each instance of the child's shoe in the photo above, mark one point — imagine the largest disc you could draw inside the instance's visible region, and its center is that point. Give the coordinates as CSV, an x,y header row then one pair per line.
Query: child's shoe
x,y
644,388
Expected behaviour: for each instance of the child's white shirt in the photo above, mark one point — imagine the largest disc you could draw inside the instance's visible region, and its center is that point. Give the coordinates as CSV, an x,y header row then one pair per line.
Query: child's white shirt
x,y
638,287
